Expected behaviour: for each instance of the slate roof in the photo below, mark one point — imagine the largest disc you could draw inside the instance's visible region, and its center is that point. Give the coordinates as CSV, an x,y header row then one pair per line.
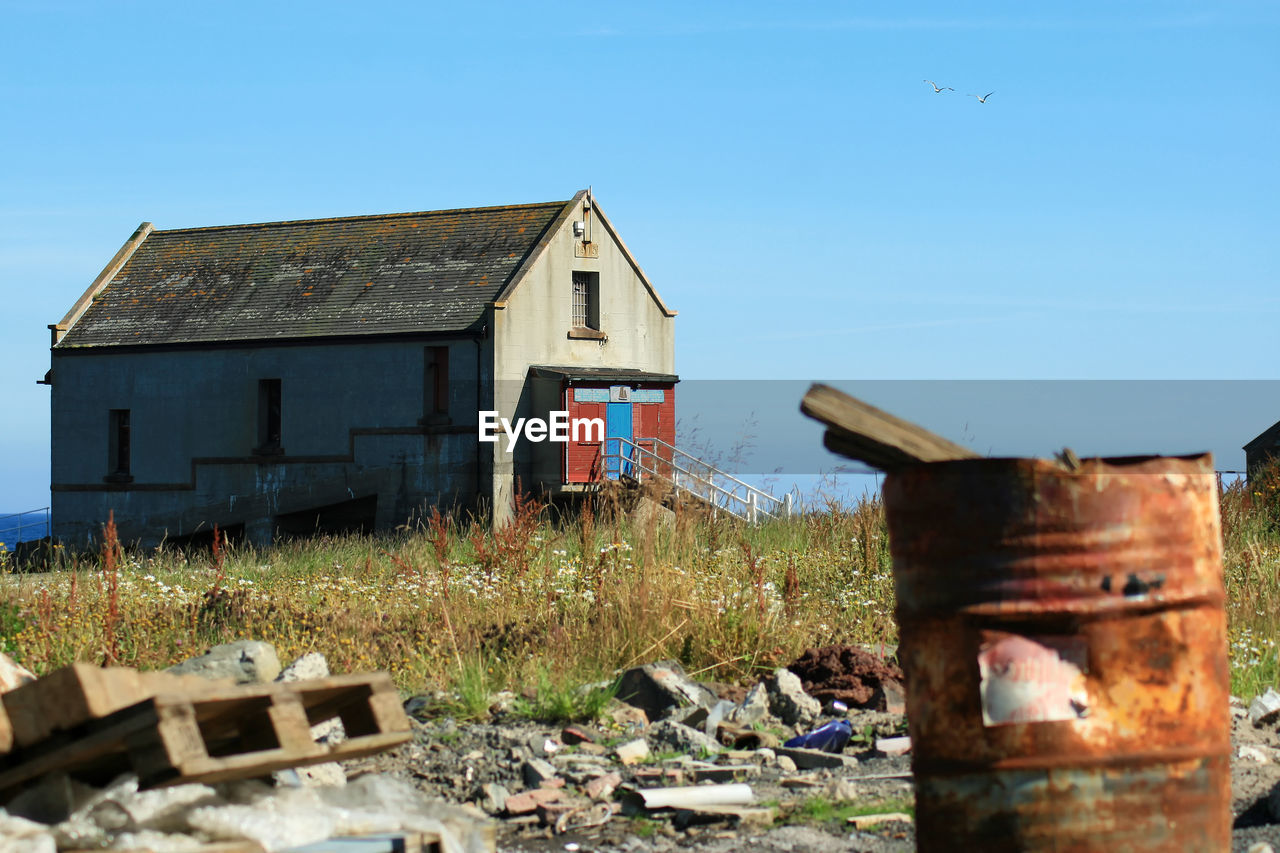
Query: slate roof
x,y
367,275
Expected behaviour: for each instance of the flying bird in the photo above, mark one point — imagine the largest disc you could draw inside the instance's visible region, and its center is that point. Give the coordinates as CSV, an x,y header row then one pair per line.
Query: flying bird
x,y
937,90
983,99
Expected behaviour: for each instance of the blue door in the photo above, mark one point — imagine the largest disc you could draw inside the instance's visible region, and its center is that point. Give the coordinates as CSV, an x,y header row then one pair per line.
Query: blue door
x,y
617,424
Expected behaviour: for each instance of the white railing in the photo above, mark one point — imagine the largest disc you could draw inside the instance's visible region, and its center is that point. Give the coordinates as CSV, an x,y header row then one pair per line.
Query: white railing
x,y
690,475
21,526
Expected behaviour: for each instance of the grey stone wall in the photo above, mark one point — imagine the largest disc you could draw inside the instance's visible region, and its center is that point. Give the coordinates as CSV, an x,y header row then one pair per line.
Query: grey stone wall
x,y
352,426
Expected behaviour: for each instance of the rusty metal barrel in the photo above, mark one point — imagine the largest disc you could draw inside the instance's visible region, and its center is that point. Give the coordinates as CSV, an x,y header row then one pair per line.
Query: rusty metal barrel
x,y
1063,637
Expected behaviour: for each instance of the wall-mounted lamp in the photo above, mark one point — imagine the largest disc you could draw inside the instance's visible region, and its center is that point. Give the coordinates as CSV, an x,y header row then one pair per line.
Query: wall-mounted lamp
x,y
579,228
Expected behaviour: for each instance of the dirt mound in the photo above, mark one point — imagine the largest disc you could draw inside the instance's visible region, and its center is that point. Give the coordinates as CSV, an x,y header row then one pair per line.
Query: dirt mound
x,y
849,674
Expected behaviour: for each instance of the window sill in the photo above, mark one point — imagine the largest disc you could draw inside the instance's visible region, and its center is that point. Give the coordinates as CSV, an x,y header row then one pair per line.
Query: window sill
x,y
581,333
118,478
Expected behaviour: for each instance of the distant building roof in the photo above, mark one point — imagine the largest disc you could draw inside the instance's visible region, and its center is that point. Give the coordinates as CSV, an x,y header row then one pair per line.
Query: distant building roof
x,y
424,272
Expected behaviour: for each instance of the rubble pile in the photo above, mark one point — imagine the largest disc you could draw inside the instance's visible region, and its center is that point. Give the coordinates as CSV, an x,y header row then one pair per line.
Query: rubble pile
x,y
673,763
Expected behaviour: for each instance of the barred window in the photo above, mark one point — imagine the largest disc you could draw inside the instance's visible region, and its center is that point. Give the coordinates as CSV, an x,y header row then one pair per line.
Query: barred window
x,y
586,298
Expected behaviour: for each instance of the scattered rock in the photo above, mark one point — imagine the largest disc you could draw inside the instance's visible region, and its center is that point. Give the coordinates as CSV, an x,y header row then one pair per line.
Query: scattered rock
x,y
893,745
789,702
1252,753
1265,710
632,752
682,738
851,675
627,716
649,512
536,772
493,797
786,763
753,708
602,787
245,662
657,687
305,668
527,802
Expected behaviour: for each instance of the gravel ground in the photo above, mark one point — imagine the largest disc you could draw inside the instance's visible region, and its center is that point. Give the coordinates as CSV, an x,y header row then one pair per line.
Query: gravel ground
x,y
455,761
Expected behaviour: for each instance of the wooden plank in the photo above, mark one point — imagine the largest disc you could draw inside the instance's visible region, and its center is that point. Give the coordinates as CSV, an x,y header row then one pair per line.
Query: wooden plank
x,y
863,821
860,431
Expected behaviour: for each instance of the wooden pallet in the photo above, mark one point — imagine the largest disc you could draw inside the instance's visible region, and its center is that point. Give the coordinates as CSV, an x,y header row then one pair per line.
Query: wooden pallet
x,y
219,735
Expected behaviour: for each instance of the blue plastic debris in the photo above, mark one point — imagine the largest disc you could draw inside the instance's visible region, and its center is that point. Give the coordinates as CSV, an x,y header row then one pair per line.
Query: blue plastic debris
x,y
828,737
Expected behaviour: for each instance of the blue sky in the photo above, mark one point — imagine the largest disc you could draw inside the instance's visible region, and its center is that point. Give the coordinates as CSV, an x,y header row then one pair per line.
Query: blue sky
x,y
782,172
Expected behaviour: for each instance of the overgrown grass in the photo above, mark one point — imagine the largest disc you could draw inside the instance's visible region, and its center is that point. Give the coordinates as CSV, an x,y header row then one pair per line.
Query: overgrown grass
x,y
546,605
452,606
820,809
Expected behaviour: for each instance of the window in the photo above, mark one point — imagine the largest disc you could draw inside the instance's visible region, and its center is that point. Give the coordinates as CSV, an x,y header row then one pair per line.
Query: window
x,y
268,417
435,385
586,300
118,446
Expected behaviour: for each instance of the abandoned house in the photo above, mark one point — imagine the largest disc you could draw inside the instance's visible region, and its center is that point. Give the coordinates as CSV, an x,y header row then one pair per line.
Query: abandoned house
x,y
332,374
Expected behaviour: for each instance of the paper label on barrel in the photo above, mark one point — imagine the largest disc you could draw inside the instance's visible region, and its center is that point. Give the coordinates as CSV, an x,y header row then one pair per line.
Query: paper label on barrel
x,y
1032,679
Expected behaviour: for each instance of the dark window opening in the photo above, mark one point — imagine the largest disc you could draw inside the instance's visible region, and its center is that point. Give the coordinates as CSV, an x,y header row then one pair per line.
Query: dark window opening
x,y
435,385
269,417
586,300
118,446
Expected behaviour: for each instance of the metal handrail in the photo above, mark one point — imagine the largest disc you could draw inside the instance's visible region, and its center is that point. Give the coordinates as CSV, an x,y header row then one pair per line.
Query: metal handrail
x,y
716,471
5,530
718,496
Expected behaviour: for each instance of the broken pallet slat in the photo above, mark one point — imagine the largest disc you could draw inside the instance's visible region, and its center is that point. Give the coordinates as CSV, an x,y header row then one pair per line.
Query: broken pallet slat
x,y
223,734
860,431
76,694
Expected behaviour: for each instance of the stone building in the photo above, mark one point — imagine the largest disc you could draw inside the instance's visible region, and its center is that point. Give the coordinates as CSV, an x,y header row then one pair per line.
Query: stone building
x,y
328,374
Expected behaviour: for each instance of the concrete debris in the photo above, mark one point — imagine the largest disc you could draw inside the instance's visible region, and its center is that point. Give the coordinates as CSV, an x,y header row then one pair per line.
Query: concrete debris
x,y
893,745
632,752
493,798
602,787
527,802
244,661
537,773
667,734
788,701
186,817
656,688
1252,753
754,708
305,668
1265,710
